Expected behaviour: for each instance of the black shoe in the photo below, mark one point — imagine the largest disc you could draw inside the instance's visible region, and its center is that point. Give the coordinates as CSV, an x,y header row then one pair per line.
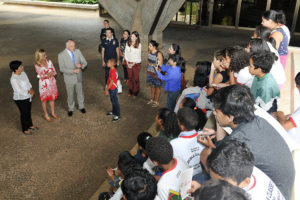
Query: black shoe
x,y
116,118
83,110
109,113
70,113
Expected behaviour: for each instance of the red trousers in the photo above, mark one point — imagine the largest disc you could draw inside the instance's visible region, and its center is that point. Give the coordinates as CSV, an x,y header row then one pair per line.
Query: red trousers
x,y
133,79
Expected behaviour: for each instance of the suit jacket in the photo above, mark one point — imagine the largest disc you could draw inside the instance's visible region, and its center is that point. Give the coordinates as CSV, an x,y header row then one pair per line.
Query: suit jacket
x,y
66,66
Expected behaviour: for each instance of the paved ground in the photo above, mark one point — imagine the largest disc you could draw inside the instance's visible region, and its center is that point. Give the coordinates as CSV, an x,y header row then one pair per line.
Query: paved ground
x,y
66,159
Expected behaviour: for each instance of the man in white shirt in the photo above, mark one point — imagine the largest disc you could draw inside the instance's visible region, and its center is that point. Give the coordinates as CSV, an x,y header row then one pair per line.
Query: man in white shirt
x,y
186,145
161,153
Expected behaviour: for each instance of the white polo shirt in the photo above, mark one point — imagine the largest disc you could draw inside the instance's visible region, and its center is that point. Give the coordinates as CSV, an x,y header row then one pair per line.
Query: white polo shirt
x,y
170,180
188,149
262,187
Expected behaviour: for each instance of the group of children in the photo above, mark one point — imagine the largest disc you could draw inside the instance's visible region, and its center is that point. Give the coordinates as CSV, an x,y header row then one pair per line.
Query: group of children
x,y
222,137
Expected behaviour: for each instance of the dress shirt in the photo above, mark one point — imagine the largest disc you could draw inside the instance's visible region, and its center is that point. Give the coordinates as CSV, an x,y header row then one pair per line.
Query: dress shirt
x,y
133,54
21,85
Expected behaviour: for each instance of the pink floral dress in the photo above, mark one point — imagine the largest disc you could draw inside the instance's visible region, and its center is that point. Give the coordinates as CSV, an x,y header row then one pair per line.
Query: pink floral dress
x,y
47,85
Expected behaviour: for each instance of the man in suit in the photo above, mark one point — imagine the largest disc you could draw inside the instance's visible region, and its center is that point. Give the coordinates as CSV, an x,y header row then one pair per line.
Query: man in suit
x,y
71,62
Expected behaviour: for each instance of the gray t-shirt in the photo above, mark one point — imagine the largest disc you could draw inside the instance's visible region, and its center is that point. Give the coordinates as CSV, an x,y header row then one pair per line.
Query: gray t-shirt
x,y
271,153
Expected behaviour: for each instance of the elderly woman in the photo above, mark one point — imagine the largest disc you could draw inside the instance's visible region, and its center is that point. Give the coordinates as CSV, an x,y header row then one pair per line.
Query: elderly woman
x,y
23,94
47,83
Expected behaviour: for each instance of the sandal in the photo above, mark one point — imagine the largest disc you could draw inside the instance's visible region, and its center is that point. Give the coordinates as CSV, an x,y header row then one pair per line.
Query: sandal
x,y
155,104
28,132
34,128
48,119
150,101
55,116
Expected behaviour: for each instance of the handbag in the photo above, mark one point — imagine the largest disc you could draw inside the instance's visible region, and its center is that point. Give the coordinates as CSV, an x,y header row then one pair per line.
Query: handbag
x,y
119,86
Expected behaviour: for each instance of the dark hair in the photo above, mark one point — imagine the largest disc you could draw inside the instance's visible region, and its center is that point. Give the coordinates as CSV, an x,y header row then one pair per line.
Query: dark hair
x,y
125,162
188,118
235,100
263,60
220,54
169,122
239,58
106,20
160,150
176,48
154,44
297,79
137,43
139,185
216,189
190,103
143,138
258,45
179,61
109,29
276,16
14,65
201,74
263,32
231,159
126,31
113,60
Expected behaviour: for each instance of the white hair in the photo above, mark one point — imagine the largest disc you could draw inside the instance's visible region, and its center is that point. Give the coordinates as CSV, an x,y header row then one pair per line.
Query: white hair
x,y
69,40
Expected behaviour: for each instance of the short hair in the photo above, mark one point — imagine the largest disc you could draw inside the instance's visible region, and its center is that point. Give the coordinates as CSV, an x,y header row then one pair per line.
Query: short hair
x,y
125,162
190,103
139,185
160,150
276,16
216,189
169,122
114,60
201,74
231,159
126,31
143,138
14,65
188,118
106,20
263,60
235,100
69,40
154,43
109,29
297,79
239,58
263,32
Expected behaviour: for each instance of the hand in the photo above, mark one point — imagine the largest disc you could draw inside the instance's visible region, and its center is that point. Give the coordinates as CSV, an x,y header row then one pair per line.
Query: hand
x,y
78,66
103,64
156,68
106,92
110,172
206,137
195,186
77,71
50,74
118,62
31,92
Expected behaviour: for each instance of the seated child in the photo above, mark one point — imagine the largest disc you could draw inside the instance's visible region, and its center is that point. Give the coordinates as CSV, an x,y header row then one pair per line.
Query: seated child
x,y
141,156
166,121
264,87
161,153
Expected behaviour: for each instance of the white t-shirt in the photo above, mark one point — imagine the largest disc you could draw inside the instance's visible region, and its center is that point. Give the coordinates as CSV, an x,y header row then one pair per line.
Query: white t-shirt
x,y
277,69
170,180
188,149
294,133
133,54
148,165
262,187
243,77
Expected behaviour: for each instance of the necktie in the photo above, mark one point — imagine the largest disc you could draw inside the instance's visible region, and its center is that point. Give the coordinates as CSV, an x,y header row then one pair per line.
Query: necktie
x,y
73,58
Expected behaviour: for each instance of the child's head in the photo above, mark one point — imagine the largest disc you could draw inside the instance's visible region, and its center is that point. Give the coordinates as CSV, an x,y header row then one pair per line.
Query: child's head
x,y
261,63
125,162
190,103
167,120
142,140
202,70
297,80
237,58
257,45
187,119
159,150
174,60
111,63
231,161
153,45
216,189
262,32
139,185
218,58
126,34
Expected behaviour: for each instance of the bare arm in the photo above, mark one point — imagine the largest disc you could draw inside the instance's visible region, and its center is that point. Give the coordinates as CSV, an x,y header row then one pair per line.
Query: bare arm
x,y
278,38
218,79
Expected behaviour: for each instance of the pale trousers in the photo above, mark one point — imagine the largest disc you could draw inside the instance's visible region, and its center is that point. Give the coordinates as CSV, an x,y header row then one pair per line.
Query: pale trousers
x,y
80,97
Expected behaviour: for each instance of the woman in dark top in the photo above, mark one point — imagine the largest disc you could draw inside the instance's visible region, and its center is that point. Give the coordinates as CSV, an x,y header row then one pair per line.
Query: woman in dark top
x,y
122,45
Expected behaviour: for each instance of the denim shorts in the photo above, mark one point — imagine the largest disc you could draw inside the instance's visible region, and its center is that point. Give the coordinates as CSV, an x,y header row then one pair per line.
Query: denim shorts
x,y
152,81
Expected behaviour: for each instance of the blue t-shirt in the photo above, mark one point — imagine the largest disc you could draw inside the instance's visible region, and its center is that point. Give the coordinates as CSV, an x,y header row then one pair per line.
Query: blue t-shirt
x,y
172,78
110,47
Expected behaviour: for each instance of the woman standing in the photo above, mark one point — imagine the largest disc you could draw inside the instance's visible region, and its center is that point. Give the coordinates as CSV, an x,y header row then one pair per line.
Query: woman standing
x,y
122,45
155,58
133,61
275,21
47,83
23,94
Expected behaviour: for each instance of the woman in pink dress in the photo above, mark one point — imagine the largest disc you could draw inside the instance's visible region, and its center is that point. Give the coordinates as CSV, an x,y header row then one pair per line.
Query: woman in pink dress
x,y
47,83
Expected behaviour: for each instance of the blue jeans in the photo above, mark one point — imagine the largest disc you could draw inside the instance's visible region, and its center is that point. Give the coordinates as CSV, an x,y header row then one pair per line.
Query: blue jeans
x,y
171,100
115,102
